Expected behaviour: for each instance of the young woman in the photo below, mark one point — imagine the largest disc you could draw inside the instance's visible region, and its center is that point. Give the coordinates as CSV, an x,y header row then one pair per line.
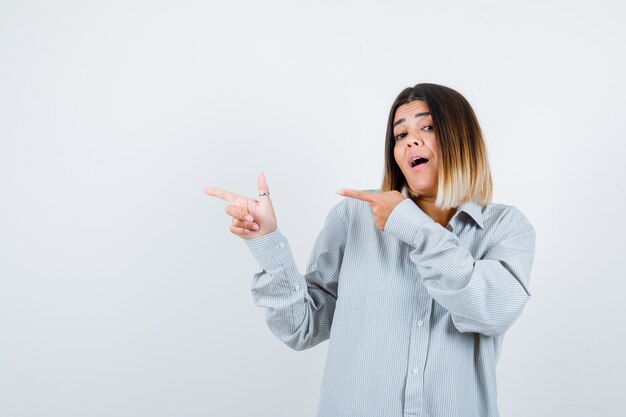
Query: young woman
x,y
414,284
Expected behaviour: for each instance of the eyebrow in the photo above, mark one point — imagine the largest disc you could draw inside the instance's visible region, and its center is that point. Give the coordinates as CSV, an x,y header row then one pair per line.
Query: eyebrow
x,y
396,123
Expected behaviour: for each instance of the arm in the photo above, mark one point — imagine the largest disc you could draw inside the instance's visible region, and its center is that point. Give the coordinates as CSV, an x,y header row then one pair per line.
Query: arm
x,y
300,308
482,295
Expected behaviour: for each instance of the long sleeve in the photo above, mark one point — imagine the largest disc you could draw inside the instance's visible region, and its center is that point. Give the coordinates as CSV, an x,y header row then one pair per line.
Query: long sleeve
x,y
299,308
482,295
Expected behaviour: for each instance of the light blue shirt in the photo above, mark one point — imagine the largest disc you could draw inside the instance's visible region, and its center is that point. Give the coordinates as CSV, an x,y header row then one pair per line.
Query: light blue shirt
x,y
415,314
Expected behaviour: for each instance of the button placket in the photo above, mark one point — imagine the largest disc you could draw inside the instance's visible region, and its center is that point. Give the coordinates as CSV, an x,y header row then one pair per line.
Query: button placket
x,y
417,352
421,336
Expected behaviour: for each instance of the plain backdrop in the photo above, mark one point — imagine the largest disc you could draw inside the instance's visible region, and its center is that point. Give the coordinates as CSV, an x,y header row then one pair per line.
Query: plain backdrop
x,y
122,292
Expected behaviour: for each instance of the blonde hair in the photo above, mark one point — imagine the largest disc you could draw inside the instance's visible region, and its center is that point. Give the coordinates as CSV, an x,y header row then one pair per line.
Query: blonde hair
x,y
463,173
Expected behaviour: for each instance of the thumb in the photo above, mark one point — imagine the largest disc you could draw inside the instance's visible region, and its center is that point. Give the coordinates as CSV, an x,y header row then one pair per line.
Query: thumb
x,y
262,186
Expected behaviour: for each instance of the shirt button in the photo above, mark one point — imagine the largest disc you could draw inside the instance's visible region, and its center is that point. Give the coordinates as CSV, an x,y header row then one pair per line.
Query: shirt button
x,y
281,245
297,287
420,323
415,370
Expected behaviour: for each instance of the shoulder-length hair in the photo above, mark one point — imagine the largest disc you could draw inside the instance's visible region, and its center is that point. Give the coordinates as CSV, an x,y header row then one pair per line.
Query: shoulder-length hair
x,y
463,172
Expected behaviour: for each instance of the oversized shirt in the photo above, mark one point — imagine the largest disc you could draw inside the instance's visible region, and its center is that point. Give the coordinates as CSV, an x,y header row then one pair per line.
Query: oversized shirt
x,y
415,314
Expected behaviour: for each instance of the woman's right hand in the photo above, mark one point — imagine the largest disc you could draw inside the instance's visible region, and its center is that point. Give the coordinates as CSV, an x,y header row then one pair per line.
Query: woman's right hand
x,y
251,218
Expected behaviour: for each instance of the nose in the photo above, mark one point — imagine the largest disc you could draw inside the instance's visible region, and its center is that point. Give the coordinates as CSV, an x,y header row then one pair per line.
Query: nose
x,y
413,139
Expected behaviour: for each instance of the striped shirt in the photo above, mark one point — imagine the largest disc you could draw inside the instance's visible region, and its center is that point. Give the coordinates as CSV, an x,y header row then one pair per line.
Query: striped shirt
x,y
415,314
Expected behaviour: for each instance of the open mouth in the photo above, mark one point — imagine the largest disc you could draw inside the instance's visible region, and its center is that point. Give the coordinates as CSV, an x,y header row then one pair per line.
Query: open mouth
x,y
418,161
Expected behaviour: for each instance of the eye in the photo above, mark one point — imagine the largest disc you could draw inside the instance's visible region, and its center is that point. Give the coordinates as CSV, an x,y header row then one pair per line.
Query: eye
x,y
428,128
400,136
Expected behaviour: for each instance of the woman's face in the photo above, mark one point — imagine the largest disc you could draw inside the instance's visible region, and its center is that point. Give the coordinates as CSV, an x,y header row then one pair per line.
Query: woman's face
x,y
415,138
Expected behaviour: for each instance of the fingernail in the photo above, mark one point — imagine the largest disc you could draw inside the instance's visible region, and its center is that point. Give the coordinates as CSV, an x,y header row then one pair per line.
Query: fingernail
x,y
340,191
255,226
249,217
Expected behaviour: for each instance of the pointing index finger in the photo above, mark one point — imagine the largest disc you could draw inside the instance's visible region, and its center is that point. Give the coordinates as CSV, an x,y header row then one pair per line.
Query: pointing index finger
x,y
218,192
360,195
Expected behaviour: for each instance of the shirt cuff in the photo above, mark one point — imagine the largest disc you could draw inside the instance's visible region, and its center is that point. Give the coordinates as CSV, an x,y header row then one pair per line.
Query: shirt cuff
x,y
270,250
405,220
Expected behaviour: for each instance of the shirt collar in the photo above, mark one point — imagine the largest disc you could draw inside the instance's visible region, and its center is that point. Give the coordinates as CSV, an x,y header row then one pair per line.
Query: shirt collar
x,y
473,209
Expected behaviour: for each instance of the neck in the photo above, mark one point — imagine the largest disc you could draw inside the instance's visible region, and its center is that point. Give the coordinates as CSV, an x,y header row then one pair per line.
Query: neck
x,y
427,205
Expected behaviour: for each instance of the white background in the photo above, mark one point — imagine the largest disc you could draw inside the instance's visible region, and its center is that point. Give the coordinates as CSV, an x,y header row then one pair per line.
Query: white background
x,y
122,292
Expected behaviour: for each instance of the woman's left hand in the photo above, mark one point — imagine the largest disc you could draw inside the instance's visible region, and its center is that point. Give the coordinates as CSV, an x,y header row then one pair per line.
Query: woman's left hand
x,y
381,203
